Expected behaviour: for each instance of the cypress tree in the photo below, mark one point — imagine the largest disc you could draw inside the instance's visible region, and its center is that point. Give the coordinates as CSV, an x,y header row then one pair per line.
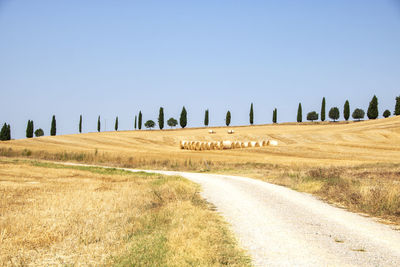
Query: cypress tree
x,y
299,114
53,129
206,118
31,128
140,120
274,116
251,114
8,132
98,124
372,112
323,109
397,107
346,110
116,124
135,121
80,124
161,118
183,118
28,130
3,133
228,118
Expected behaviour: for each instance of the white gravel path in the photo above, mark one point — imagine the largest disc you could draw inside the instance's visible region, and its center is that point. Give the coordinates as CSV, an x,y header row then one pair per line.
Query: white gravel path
x,y
282,227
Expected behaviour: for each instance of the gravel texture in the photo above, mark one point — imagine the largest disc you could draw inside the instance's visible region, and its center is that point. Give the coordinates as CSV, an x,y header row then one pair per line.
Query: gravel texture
x,y
282,227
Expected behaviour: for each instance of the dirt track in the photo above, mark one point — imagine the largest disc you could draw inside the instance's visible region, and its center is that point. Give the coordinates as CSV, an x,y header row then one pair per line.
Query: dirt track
x,y
282,227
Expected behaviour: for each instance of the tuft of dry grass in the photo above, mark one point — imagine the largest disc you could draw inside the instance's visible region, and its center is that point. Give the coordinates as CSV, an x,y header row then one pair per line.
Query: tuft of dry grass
x,y
66,215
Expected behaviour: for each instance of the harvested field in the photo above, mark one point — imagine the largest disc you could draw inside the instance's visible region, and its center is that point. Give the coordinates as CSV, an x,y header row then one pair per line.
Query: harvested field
x,y
352,164
306,144
67,215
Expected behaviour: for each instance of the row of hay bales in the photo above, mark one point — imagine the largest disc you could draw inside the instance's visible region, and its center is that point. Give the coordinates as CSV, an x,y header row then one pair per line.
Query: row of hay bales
x,y
220,145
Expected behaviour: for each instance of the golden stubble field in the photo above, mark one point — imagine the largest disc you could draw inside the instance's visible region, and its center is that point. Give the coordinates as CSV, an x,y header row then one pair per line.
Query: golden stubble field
x,y
309,144
55,215
351,164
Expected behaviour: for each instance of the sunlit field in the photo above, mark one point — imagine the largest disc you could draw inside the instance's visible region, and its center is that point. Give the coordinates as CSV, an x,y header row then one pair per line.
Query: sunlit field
x,y
352,164
66,215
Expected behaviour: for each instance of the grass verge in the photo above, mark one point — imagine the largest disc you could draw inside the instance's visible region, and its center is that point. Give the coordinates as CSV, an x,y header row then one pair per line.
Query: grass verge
x,y
73,215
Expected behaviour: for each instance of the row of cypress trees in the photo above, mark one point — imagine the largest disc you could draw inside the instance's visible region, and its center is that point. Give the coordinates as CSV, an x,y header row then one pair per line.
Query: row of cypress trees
x,y
334,114
358,113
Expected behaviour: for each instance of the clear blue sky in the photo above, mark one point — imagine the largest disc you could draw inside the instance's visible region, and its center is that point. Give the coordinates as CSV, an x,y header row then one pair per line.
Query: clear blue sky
x,y
114,58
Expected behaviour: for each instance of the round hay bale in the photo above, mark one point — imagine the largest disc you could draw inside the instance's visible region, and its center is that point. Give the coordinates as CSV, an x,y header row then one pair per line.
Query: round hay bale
x,y
210,145
217,145
258,144
227,144
238,144
192,145
273,142
197,145
264,143
243,144
186,145
203,146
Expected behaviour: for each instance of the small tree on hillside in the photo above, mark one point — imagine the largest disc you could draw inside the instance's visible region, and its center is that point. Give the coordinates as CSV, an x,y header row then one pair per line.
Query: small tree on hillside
x,y
312,116
39,132
275,116
228,118
80,124
372,112
172,122
53,129
397,107
183,118
140,120
358,114
299,113
116,124
334,113
386,113
323,109
149,124
251,115
206,118
98,124
161,118
346,110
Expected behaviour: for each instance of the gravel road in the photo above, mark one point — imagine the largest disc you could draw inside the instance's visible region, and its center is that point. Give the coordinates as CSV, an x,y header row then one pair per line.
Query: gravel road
x,y
282,227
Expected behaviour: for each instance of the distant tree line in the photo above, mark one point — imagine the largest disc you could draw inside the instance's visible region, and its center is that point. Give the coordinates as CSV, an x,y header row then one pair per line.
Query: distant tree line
x,y
334,114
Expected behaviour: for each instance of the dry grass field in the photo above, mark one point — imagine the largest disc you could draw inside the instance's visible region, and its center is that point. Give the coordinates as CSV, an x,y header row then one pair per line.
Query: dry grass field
x,y
67,215
311,144
352,164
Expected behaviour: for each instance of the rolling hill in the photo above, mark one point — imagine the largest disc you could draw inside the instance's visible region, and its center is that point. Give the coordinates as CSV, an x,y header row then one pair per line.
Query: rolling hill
x,y
304,144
